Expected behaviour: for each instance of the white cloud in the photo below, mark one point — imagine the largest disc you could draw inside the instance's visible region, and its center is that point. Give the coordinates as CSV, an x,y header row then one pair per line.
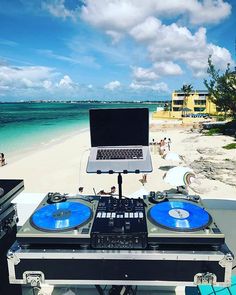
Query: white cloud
x,y
113,85
116,36
122,15
35,81
51,54
67,83
142,74
220,56
7,42
144,80
144,77
169,44
58,9
167,68
159,87
209,11
47,84
25,77
115,15
146,30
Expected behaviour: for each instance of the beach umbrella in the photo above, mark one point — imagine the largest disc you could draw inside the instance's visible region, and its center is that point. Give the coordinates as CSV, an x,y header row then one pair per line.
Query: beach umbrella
x,y
179,176
172,157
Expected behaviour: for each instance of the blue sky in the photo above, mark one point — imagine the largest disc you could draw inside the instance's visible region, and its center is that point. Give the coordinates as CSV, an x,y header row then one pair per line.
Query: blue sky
x,y
111,49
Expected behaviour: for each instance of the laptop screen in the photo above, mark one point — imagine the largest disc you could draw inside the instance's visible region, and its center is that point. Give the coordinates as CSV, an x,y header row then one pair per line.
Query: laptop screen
x,y
119,127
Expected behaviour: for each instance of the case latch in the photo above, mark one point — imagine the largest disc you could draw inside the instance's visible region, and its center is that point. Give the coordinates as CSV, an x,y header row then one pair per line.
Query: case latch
x,y
206,278
12,256
228,258
33,278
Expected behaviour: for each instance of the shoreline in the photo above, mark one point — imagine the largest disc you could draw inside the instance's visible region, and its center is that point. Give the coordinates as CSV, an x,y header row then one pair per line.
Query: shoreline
x,y
15,156
61,166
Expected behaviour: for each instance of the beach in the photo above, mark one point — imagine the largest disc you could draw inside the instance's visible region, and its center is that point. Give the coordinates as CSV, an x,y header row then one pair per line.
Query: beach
x,y
61,166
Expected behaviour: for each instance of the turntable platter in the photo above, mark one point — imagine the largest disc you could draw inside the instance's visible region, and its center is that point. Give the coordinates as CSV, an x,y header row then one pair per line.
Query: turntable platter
x,y
179,216
61,216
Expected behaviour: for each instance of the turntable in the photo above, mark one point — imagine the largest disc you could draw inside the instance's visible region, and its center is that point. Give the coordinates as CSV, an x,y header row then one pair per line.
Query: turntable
x,y
180,220
59,219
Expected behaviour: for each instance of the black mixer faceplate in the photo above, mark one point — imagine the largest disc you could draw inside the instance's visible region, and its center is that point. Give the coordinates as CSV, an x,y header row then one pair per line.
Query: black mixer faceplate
x,y
179,216
61,216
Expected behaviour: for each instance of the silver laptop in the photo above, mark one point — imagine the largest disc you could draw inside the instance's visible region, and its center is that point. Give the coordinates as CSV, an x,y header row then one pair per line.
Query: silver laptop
x,y
119,141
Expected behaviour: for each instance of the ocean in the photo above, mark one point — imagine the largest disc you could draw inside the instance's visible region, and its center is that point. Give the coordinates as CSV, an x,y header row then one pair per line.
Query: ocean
x,y
29,126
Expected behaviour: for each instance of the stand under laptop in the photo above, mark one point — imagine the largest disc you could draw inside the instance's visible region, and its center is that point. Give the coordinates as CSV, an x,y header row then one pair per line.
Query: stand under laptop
x,y
119,142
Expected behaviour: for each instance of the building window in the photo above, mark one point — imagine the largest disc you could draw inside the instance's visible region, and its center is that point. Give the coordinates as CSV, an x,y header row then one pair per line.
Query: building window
x,y
180,95
176,109
200,102
199,109
178,102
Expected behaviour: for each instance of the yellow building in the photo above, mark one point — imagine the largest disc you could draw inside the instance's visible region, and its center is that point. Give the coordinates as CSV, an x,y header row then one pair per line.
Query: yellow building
x,y
196,103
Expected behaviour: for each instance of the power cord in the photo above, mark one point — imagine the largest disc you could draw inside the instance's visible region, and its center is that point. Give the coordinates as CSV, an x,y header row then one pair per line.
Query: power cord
x,y
80,165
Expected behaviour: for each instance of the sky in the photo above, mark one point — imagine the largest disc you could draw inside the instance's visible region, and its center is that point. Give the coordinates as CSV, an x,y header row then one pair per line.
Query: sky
x,y
111,49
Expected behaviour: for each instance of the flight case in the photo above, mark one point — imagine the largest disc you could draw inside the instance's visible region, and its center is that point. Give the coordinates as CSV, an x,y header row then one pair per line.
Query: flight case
x,y
120,267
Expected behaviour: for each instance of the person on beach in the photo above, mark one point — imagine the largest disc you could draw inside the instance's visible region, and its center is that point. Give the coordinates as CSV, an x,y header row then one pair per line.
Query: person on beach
x,y
143,180
152,143
81,189
169,143
162,147
182,189
113,190
102,192
2,159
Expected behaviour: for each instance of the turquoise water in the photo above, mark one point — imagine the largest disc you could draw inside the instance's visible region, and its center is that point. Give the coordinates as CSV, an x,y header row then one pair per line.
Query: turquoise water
x,y
27,126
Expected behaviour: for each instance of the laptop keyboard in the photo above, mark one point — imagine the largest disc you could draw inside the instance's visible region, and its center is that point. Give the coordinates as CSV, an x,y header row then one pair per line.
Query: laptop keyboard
x,y
119,154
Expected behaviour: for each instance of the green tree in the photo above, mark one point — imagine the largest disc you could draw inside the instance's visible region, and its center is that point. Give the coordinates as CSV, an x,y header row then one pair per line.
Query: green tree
x,y
187,89
222,88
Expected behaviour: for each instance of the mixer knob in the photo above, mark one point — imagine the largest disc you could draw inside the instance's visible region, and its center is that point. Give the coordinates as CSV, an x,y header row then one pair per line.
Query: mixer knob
x,y
127,225
152,194
111,222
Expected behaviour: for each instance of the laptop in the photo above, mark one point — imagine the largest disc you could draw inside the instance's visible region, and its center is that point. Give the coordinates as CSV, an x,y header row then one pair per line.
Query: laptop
x,y
119,141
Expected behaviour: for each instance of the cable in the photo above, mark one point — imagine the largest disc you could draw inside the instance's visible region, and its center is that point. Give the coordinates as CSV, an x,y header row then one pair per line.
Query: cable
x,y
80,165
35,288
99,289
198,290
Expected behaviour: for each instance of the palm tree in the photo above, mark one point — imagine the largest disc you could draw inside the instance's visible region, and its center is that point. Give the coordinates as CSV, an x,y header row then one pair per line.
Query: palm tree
x,y
187,89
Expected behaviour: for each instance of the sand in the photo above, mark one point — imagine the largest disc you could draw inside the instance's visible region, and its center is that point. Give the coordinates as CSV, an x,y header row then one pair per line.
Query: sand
x,y
61,167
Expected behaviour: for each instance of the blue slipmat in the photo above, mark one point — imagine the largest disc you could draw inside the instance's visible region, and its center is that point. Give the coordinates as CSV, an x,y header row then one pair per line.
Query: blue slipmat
x,y
61,216
180,216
